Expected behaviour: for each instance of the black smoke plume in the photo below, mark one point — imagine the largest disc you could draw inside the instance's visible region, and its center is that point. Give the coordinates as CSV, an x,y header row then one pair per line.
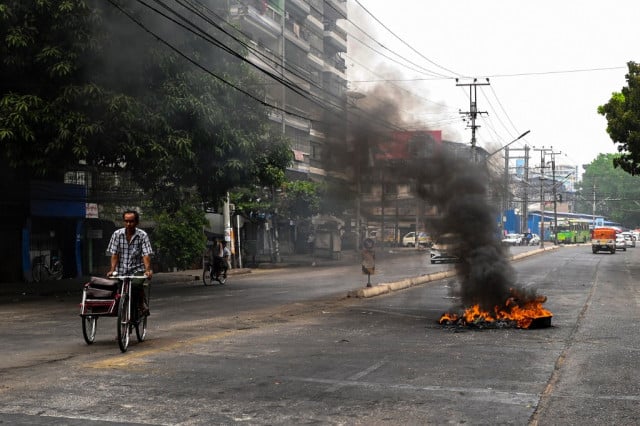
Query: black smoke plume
x,y
450,181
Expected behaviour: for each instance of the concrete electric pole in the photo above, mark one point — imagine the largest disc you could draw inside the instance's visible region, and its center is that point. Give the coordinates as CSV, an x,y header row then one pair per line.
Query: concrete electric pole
x,y
473,111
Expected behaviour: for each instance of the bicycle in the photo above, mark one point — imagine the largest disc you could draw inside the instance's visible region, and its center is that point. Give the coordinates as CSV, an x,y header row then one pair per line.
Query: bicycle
x,y
113,297
41,270
216,271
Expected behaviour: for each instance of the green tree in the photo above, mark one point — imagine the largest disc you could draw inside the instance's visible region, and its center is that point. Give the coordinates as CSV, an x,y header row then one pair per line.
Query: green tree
x,y
623,121
300,199
617,193
177,237
73,87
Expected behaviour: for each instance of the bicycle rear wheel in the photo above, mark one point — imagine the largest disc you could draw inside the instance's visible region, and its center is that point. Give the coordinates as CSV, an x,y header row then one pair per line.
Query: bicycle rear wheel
x,y
141,328
89,326
222,277
37,272
123,322
207,277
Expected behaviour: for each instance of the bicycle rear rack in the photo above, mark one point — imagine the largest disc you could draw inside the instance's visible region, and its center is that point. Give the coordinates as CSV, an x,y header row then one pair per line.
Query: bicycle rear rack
x,y
100,296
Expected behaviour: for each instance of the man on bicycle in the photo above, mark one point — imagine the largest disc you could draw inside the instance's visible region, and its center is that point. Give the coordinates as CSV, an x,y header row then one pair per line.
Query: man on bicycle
x,y
131,252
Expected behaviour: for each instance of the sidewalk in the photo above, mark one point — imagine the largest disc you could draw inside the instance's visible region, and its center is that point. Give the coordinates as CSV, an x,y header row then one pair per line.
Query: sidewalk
x,y
16,291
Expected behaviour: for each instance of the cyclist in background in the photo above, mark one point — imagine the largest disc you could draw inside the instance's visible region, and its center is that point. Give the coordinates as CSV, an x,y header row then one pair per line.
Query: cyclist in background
x,y
226,257
131,252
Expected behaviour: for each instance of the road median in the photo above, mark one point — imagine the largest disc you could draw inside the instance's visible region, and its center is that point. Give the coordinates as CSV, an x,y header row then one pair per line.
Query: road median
x,y
384,288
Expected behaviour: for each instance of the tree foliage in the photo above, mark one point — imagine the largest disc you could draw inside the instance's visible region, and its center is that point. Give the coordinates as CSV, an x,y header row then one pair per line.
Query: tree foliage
x,y
617,193
300,199
74,87
623,121
178,239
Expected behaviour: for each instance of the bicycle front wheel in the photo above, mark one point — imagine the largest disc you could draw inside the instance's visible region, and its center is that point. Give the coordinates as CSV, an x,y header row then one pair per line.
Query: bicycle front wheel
x,y
123,322
89,326
56,270
37,272
207,278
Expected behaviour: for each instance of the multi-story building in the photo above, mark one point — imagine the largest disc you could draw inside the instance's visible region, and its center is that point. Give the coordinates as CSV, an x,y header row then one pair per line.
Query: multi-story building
x,y
302,42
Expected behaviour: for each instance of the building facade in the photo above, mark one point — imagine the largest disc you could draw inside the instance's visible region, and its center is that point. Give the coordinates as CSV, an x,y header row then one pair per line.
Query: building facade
x,y
303,43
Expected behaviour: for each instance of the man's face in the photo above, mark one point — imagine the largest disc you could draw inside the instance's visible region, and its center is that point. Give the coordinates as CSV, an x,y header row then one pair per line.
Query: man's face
x,y
130,222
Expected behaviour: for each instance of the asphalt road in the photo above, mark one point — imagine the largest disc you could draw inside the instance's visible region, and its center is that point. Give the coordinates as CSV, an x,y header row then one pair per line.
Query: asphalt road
x,y
288,347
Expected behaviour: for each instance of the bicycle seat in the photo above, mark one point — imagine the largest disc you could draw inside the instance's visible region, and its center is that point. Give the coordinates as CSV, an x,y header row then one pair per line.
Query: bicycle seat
x,y
103,282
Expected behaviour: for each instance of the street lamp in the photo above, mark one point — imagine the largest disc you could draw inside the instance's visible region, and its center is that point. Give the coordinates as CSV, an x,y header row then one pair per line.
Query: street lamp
x,y
515,140
504,200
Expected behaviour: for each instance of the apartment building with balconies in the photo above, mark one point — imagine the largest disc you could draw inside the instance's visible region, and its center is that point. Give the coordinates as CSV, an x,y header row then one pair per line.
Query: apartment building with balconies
x,y
302,42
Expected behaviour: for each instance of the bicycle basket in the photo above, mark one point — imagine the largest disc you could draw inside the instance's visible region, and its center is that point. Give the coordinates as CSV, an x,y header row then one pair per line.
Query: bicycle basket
x,y
98,293
100,288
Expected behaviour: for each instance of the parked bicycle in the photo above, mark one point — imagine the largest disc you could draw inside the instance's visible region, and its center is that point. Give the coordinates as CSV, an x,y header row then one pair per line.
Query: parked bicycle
x,y
216,271
113,297
43,270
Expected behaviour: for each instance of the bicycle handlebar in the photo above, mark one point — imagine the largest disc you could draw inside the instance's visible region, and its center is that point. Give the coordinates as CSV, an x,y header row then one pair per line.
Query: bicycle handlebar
x,y
122,277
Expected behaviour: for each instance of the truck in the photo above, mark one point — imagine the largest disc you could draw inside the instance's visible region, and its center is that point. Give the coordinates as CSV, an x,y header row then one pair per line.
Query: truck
x,y
603,239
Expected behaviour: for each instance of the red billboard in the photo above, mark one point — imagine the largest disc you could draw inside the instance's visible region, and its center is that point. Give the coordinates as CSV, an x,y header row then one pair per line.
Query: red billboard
x,y
410,144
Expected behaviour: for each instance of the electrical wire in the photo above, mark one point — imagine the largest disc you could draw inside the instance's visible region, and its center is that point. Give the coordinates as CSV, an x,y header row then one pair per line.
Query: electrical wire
x,y
406,44
195,63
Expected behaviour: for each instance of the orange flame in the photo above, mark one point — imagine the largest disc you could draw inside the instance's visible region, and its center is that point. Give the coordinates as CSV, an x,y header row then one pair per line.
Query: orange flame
x,y
523,314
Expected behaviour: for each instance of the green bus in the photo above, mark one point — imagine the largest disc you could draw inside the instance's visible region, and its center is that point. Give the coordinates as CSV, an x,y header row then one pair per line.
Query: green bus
x,y
573,231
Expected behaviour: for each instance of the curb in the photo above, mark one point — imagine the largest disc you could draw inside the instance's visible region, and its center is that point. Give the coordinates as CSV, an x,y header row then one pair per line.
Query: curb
x,y
400,285
384,288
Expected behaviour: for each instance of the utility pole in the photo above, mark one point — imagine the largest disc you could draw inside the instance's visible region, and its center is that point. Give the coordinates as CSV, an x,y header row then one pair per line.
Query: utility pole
x,y
473,112
506,166
505,193
542,150
541,199
525,203
283,64
525,199
594,204
555,197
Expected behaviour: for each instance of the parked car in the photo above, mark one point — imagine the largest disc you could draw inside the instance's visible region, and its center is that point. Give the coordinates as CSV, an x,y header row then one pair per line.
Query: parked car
x,y
630,237
444,249
621,242
512,240
535,240
409,240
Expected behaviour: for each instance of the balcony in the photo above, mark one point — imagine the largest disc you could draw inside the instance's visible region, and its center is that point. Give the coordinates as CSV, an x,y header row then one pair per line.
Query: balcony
x,y
290,120
300,77
297,35
335,37
298,7
336,66
335,9
315,22
315,59
261,25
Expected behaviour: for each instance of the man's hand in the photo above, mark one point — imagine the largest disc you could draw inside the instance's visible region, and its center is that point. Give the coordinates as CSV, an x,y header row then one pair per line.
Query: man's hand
x,y
148,273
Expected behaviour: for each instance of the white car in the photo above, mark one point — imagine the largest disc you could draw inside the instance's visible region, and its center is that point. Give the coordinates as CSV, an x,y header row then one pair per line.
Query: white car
x,y
621,242
631,238
512,239
535,240
444,249
409,240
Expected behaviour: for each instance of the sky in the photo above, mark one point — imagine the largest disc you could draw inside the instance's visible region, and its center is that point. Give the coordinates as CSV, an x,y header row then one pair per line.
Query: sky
x,y
550,64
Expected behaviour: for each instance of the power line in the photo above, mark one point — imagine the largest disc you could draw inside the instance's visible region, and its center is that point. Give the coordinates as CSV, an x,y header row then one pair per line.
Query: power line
x,y
406,44
524,74
203,34
193,62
